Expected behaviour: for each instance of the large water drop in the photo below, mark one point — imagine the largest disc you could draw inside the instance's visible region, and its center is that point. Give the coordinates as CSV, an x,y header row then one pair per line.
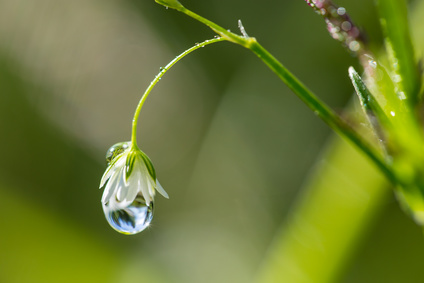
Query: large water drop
x,y
132,219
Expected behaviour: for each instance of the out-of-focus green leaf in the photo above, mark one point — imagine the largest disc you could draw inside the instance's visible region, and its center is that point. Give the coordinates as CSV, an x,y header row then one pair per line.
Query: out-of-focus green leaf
x,y
394,21
323,230
38,245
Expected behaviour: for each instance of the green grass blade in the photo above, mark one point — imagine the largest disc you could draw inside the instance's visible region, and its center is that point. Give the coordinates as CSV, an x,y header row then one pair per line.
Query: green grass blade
x,y
333,212
367,100
394,21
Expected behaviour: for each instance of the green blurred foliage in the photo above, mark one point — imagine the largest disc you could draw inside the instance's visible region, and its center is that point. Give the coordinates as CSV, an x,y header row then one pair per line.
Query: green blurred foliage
x,y
230,143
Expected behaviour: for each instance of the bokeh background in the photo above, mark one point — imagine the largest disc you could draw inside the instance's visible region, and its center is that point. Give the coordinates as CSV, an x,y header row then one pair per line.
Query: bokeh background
x,y
231,144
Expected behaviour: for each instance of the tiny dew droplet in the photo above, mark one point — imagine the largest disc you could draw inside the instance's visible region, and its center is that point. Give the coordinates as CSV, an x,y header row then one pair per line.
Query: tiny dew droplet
x,y
341,11
401,95
132,219
346,26
354,46
116,150
372,63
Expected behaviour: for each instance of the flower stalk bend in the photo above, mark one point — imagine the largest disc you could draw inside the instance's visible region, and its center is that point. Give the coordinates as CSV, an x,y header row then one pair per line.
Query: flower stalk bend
x,y
158,77
130,181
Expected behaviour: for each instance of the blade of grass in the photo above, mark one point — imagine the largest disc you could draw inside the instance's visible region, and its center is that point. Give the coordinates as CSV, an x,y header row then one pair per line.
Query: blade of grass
x,y
394,21
367,100
325,226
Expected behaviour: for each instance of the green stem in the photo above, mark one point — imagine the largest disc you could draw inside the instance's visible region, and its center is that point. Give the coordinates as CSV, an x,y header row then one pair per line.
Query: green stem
x,y
323,111
226,34
310,99
156,80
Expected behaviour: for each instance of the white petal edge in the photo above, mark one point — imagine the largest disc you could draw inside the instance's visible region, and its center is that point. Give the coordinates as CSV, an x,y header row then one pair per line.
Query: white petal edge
x,y
106,175
151,186
143,185
110,191
122,188
160,189
111,170
133,186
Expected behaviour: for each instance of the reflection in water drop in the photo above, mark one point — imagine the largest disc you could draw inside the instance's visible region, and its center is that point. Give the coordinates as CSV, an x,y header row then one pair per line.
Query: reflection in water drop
x,y
132,219
116,150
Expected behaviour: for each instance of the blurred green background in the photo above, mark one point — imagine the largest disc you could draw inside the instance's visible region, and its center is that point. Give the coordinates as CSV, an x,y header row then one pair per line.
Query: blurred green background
x,y
231,144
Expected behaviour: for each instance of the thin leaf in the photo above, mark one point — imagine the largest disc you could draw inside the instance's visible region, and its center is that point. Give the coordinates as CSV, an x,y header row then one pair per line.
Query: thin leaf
x,y
326,224
367,100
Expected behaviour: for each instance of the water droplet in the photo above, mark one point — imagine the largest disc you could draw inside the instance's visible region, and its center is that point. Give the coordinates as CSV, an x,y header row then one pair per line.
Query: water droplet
x,y
116,150
393,113
130,220
333,11
401,95
341,11
354,46
397,78
346,26
372,63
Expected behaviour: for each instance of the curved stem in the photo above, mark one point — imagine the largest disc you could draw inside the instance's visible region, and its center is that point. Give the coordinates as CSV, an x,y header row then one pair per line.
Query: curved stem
x,y
157,78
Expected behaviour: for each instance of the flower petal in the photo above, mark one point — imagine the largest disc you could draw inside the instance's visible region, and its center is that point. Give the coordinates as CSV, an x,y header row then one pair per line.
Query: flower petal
x,y
160,189
110,189
109,171
151,186
118,161
143,184
133,186
122,188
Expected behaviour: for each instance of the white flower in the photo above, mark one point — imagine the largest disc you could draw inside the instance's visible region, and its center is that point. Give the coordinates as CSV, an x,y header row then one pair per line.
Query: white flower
x,y
129,173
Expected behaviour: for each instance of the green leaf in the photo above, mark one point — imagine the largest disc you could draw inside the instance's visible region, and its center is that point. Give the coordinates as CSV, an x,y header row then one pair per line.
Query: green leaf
x,y
367,100
394,22
335,208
